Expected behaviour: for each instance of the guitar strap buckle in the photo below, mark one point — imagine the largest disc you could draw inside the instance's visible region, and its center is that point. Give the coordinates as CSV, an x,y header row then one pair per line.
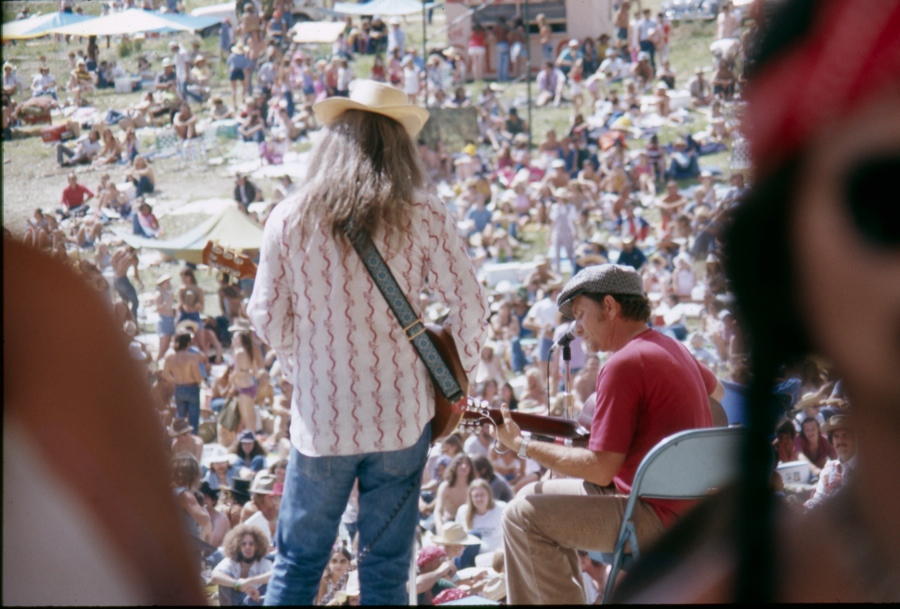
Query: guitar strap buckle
x,y
412,331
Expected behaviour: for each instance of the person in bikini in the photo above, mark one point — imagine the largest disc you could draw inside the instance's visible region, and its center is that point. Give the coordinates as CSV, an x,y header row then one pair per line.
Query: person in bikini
x,y
165,308
190,297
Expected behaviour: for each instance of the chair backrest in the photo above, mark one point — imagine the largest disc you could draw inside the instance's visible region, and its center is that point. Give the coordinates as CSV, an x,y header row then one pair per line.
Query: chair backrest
x,y
690,464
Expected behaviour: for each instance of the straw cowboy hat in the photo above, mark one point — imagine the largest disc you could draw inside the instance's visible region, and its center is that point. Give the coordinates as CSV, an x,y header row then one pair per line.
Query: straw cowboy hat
x,y
838,421
455,535
495,588
187,325
371,96
179,426
240,325
216,453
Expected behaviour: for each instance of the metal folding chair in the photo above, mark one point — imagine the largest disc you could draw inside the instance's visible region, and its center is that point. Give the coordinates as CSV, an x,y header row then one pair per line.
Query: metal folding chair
x,y
687,465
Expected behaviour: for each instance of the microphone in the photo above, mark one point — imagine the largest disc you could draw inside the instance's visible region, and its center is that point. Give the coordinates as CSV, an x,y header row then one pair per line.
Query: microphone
x,y
566,338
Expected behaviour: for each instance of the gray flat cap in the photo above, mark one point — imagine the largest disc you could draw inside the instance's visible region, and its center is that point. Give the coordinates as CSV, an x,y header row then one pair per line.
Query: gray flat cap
x,y
600,279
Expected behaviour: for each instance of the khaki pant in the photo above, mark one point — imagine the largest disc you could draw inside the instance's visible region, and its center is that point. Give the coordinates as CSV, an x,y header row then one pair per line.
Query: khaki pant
x,y
544,526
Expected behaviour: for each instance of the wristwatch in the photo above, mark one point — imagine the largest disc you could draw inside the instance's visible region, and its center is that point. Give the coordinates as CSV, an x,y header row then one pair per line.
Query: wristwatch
x,y
523,447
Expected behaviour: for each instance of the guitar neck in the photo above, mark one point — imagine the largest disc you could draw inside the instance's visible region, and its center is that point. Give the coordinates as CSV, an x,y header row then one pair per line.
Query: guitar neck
x,y
542,425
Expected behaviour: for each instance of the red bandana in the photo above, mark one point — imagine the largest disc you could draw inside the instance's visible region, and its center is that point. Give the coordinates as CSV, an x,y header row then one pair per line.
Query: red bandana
x,y
851,56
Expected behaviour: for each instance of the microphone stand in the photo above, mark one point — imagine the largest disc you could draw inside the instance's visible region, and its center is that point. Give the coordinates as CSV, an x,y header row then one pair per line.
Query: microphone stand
x,y
568,398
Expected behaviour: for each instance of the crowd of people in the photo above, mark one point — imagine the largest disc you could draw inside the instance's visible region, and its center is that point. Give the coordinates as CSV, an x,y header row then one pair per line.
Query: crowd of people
x,y
606,190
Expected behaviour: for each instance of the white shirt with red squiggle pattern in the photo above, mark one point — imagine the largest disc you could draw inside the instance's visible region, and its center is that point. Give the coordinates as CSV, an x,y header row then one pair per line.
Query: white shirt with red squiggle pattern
x,y
359,385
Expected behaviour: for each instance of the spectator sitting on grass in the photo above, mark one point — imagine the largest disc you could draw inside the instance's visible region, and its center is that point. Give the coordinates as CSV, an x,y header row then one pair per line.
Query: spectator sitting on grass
x,y
85,150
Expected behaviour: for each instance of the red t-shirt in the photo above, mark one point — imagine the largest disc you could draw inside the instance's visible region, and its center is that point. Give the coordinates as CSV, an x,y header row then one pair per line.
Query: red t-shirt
x,y
647,391
73,196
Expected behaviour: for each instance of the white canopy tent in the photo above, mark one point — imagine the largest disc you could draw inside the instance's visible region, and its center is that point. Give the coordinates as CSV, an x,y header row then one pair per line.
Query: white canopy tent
x,y
226,10
40,25
132,21
316,32
392,8
230,227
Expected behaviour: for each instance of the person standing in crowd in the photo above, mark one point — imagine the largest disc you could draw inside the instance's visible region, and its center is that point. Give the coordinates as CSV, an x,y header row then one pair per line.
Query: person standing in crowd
x,y
165,309
500,34
123,259
649,388
182,368
315,304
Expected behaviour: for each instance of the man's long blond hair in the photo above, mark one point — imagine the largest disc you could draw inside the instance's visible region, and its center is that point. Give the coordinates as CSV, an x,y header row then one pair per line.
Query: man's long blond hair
x,y
365,171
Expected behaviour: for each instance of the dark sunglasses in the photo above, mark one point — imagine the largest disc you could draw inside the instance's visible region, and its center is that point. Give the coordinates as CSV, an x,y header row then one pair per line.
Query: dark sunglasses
x,y
872,200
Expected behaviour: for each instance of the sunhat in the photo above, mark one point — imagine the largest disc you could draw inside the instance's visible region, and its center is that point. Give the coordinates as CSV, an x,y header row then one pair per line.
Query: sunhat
x,y
240,490
838,421
264,483
216,453
237,49
495,588
600,279
455,535
574,42
167,63
379,98
163,278
179,427
240,325
188,325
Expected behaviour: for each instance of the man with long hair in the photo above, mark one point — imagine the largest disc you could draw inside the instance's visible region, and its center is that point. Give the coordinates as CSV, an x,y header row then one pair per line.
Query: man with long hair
x,y
243,573
362,403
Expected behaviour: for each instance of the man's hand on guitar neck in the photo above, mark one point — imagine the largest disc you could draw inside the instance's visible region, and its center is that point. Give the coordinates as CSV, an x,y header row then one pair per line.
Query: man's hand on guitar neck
x,y
509,434
596,467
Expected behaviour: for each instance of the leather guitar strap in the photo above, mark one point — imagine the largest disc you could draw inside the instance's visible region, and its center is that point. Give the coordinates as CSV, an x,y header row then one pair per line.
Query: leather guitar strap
x,y
412,326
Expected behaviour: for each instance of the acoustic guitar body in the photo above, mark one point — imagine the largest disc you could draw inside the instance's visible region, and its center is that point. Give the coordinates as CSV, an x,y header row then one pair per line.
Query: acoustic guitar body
x,y
445,419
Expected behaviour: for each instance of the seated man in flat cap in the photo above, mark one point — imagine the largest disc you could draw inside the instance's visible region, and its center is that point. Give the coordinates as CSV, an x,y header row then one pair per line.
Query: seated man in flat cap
x,y
649,388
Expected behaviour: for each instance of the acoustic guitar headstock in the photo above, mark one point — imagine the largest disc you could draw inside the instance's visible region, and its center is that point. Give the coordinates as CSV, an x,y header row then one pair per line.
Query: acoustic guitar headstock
x,y
229,260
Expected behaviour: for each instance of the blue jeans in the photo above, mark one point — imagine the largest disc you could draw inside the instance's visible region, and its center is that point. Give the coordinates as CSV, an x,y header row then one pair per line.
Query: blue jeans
x,y
185,93
187,404
548,51
467,558
517,355
316,492
142,186
127,292
502,61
